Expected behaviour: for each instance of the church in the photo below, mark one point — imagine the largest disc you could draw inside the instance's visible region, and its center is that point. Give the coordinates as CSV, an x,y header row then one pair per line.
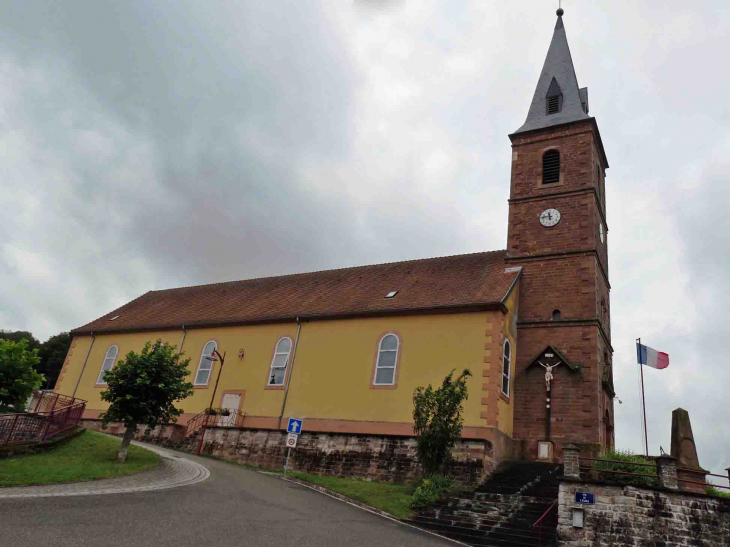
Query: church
x,y
344,349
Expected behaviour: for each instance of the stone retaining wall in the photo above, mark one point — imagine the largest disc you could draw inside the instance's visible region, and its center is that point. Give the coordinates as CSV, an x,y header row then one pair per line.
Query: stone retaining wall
x,y
642,516
375,457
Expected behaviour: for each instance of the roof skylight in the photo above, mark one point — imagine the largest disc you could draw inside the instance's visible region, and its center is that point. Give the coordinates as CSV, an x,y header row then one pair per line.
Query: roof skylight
x,y
391,294
113,318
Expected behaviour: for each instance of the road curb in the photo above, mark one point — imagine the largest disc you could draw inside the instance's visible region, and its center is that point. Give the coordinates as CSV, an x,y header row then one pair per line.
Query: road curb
x,y
361,505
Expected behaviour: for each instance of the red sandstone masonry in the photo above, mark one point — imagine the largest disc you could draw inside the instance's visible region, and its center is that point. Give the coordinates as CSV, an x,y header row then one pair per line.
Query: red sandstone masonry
x,y
373,457
571,278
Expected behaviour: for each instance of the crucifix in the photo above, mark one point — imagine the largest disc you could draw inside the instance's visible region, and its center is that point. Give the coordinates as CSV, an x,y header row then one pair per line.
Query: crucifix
x,y
552,361
549,371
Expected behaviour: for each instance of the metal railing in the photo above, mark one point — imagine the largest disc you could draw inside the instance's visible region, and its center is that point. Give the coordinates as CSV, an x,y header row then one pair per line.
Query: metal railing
x,y
538,524
704,474
38,426
47,401
595,471
232,418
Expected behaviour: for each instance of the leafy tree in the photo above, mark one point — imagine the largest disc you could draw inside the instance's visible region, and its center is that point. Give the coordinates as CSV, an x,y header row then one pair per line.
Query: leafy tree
x,y
18,335
437,416
143,388
53,354
18,377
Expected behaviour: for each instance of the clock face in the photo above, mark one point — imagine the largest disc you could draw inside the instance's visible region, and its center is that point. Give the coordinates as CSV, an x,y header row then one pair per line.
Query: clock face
x,y
549,217
600,231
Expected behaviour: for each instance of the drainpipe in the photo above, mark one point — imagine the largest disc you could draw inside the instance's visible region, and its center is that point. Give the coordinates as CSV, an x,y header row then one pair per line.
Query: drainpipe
x,y
291,371
179,352
93,338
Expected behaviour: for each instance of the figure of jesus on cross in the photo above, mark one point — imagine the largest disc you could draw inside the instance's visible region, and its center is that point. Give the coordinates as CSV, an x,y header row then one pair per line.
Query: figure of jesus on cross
x,y
549,372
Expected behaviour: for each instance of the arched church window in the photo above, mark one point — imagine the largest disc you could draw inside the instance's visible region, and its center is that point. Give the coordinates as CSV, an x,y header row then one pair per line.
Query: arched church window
x,y
277,373
506,360
556,315
109,357
551,167
387,361
205,365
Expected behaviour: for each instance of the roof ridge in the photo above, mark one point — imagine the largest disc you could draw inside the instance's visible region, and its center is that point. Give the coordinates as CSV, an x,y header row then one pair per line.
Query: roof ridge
x,y
319,271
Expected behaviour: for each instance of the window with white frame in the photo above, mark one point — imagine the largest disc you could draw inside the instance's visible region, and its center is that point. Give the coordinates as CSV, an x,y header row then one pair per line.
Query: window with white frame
x,y
387,361
277,374
506,358
205,365
109,358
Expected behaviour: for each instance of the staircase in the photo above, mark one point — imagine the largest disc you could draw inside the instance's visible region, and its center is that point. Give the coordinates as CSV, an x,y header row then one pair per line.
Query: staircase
x,y
502,511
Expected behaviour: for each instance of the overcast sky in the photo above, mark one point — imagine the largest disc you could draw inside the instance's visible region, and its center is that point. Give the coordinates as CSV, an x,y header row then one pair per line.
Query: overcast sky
x,y
149,145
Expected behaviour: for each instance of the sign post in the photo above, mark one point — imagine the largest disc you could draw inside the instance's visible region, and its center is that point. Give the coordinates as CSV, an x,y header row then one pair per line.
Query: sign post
x,y
294,428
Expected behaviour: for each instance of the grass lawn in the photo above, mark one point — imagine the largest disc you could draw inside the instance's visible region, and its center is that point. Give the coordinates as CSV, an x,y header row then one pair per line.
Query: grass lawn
x,y
88,456
392,498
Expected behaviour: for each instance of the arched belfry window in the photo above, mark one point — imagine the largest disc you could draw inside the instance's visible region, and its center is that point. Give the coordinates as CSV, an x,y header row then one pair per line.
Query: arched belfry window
x,y
554,98
551,167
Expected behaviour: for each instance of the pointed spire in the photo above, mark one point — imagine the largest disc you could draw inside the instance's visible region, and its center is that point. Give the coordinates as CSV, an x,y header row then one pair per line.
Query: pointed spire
x,y
557,73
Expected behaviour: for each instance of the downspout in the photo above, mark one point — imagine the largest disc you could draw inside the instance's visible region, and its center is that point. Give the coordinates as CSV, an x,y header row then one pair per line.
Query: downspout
x,y
291,371
93,338
179,352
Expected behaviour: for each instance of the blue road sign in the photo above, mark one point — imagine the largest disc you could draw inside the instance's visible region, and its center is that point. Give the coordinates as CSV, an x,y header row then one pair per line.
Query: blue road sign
x,y
585,498
295,426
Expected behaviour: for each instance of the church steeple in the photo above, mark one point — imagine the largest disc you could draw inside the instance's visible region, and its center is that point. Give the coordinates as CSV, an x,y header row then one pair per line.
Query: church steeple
x,y
557,98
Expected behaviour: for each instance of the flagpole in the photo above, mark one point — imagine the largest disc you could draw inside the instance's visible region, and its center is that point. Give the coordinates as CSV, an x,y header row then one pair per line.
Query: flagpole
x,y
643,398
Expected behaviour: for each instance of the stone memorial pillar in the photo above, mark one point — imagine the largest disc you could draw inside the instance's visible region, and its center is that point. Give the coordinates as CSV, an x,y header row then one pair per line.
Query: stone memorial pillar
x,y
685,451
666,470
571,462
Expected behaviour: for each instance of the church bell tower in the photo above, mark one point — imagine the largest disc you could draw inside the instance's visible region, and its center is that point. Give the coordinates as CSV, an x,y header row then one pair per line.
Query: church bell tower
x,y
558,234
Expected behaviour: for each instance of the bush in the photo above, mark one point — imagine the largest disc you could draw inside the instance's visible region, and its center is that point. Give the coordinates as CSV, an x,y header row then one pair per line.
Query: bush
x,y
430,490
437,419
630,458
712,491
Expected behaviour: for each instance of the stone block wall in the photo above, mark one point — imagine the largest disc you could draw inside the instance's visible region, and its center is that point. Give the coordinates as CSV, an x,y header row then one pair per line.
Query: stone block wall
x,y
375,457
633,516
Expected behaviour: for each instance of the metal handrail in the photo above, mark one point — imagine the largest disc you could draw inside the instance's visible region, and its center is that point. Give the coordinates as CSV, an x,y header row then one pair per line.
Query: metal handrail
x,y
619,461
37,426
618,472
538,521
698,472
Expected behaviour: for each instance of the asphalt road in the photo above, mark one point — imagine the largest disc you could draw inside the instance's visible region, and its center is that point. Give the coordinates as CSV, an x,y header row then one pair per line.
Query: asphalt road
x,y
234,507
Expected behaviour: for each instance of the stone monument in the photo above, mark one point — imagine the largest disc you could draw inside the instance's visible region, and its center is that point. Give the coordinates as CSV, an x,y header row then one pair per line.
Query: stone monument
x,y
685,450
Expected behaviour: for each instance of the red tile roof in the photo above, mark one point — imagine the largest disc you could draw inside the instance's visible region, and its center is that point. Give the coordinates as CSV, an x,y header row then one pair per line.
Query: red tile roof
x,y
443,282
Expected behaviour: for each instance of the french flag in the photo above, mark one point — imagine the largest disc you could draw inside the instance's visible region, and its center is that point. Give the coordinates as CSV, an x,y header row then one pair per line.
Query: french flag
x,y
651,357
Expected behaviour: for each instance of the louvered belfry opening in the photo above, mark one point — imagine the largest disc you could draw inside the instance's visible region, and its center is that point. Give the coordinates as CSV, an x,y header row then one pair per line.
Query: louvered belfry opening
x,y
554,98
553,104
551,167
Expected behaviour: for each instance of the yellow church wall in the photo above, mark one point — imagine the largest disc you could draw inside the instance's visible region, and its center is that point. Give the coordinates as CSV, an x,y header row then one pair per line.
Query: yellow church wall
x,y
334,367
88,389
331,384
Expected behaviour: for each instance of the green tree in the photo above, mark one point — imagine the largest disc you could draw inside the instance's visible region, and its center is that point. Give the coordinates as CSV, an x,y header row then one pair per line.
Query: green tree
x,y
143,388
18,335
53,354
18,377
437,417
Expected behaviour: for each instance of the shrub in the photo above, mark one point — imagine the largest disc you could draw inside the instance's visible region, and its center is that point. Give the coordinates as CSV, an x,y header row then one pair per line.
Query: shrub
x,y
712,491
437,417
430,490
629,458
